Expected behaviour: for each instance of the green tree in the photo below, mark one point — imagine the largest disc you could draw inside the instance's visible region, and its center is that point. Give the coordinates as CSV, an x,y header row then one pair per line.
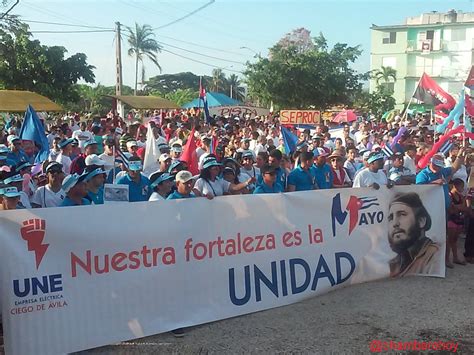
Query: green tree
x,y
377,102
142,44
233,87
168,83
180,96
385,76
27,65
316,77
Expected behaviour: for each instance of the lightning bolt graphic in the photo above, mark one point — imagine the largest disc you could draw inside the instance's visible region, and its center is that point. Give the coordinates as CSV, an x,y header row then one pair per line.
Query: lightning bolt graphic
x,y
33,232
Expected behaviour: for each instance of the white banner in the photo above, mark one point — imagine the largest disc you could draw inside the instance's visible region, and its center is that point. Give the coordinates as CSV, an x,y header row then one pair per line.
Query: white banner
x,y
80,277
240,111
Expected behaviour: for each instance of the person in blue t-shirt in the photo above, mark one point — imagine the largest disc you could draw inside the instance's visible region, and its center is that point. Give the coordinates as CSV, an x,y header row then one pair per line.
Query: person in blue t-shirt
x,y
16,154
274,159
321,171
75,187
300,178
95,186
138,184
268,184
437,173
184,186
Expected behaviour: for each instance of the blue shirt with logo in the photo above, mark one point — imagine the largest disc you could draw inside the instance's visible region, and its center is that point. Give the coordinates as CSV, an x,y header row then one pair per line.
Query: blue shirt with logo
x,y
303,180
427,176
96,198
136,191
177,196
323,176
67,202
280,178
265,189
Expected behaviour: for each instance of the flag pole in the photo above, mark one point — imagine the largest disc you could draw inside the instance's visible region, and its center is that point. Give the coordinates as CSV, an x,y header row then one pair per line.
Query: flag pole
x,y
113,171
411,98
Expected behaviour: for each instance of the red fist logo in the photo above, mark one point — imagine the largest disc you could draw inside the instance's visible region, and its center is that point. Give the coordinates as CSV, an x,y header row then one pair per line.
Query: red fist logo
x,y
33,232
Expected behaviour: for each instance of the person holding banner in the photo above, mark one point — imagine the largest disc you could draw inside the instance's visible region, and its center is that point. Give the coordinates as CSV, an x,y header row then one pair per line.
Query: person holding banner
x,y
268,184
456,218
437,173
161,184
138,184
372,176
75,187
9,198
52,194
184,186
300,178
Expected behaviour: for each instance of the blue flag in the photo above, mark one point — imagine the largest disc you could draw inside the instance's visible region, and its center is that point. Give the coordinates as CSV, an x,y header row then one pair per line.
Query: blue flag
x,y
33,130
289,140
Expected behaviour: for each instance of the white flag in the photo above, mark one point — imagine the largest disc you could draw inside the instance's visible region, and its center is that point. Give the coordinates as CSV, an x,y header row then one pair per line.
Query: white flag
x,y
152,153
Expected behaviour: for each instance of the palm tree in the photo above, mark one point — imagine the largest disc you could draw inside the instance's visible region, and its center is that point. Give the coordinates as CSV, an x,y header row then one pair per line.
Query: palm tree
x,y
143,45
218,79
385,74
236,90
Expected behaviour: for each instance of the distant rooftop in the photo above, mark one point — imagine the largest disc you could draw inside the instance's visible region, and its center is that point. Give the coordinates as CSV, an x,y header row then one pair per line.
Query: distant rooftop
x,y
433,19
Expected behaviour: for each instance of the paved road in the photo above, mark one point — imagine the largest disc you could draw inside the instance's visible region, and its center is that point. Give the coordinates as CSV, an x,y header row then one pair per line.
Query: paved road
x,y
346,320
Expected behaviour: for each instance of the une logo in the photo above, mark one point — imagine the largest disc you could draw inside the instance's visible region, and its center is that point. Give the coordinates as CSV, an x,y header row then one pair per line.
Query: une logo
x,y
33,232
353,208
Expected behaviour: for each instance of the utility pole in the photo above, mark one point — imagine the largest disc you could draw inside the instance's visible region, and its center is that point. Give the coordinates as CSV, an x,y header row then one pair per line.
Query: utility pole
x,y
231,91
118,70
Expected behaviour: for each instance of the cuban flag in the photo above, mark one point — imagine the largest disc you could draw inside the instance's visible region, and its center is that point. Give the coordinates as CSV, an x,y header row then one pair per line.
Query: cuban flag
x,y
446,147
202,96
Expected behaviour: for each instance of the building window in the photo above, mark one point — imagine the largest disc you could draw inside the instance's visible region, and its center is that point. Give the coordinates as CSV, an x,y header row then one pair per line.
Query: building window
x,y
389,38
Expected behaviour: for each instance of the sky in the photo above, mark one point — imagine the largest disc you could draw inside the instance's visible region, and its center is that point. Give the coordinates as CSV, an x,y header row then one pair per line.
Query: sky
x,y
225,34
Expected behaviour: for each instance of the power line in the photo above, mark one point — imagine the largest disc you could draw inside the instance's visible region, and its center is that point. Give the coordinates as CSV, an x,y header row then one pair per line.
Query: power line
x,y
198,61
203,55
65,24
203,46
185,16
86,31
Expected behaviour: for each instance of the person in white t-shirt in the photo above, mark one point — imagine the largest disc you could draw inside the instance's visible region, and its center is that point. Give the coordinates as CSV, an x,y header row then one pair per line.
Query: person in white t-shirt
x,y
64,157
108,154
52,194
161,184
409,159
248,168
82,135
372,176
210,185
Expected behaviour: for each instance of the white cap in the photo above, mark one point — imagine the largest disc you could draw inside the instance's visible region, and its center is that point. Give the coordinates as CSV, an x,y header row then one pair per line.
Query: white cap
x,y
94,159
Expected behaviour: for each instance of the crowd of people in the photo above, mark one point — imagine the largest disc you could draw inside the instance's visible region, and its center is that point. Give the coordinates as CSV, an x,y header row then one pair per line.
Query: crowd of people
x,y
235,155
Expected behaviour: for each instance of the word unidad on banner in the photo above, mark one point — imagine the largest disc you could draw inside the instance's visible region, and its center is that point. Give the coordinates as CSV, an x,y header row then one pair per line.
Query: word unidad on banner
x,y
148,257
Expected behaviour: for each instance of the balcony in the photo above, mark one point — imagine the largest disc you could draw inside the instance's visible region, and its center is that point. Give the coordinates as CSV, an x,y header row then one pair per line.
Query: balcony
x,y
435,72
427,46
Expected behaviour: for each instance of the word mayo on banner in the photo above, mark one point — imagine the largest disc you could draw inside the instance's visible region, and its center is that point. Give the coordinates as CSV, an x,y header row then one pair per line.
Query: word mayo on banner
x,y
240,111
300,117
67,285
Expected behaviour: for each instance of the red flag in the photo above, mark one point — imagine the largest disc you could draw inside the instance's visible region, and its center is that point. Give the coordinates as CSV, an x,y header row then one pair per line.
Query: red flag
x,y
189,154
429,92
470,79
469,103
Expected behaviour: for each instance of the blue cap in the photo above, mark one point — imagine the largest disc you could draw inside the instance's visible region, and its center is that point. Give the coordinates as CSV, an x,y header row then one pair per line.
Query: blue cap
x,y
210,162
94,173
14,178
64,143
160,179
22,166
135,165
375,157
9,192
247,154
174,165
89,142
72,180
4,149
